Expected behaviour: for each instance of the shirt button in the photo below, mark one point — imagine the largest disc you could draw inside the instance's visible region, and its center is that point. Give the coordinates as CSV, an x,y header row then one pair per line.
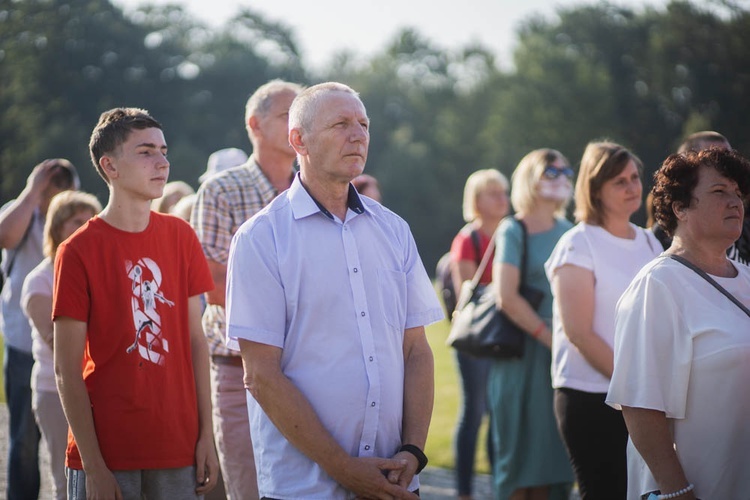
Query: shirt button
x,y
372,404
371,358
356,270
363,314
367,447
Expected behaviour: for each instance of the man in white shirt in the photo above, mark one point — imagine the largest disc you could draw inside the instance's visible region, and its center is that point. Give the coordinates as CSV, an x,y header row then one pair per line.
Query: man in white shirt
x,y
328,299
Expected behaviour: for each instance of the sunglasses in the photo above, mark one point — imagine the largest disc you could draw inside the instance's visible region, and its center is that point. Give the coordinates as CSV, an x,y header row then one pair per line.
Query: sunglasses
x,y
551,172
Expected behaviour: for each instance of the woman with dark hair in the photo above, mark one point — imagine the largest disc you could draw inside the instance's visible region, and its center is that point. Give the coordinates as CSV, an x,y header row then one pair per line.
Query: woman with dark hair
x,y
589,269
682,348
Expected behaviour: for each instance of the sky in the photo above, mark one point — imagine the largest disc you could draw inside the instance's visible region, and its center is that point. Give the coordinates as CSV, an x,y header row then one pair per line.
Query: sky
x,y
323,27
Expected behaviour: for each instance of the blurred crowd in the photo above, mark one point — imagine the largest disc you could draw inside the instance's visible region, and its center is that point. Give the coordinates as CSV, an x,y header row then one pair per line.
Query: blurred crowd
x,y
276,347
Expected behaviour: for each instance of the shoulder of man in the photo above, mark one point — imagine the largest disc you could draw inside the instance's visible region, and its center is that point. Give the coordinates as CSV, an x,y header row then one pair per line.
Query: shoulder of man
x,y
230,178
390,222
382,212
86,242
269,215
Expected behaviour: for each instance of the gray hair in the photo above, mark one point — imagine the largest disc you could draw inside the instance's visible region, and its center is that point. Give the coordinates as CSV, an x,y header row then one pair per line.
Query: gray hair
x,y
260,102
307,102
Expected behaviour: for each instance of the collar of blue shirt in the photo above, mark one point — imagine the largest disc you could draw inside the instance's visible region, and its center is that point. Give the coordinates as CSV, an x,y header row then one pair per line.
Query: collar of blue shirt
x,y
304,203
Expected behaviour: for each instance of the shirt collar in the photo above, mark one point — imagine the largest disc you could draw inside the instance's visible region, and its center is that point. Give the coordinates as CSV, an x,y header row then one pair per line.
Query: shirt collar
x,y
304,204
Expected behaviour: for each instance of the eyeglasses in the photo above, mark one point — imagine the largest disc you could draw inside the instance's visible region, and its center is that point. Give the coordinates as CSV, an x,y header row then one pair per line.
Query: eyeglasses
x,y
552,172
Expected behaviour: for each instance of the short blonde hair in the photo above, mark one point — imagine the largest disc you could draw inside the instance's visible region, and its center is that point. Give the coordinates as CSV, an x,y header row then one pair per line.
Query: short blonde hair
x,y
526,176
475,185
601,162
64,206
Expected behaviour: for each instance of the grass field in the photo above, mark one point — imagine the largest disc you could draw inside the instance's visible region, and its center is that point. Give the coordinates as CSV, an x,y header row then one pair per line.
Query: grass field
x,y
447,396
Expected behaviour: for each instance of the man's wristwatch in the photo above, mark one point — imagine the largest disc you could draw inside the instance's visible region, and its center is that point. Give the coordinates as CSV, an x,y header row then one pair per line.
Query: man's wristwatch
x,y
414,450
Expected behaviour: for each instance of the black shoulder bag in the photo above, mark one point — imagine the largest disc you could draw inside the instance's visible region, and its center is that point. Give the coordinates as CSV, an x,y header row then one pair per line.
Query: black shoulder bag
x,y
481,329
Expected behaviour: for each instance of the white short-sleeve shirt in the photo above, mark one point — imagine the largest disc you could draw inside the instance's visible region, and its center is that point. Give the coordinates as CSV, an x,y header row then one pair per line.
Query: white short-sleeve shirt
x,y
336,296
683,348
615,262
39,282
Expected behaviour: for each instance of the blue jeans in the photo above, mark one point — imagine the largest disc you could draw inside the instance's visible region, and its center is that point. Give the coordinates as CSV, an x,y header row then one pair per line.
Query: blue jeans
x,y
474,373
23,449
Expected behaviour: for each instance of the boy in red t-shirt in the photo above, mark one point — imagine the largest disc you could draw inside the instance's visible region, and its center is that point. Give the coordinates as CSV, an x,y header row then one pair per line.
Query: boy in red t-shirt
x,y
127,309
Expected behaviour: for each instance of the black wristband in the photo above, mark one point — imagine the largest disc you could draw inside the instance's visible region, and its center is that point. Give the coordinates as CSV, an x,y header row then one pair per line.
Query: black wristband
x,y
414,450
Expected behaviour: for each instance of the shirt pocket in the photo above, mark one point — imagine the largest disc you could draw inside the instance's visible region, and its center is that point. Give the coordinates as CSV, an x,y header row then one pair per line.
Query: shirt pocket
x,y
392,291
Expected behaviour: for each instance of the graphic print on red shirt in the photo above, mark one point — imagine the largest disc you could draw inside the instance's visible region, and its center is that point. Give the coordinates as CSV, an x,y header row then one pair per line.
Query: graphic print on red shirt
x,y
146,277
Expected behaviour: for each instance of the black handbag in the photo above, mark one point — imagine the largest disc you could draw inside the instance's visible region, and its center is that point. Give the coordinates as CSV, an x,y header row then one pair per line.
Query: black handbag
x,y
481,329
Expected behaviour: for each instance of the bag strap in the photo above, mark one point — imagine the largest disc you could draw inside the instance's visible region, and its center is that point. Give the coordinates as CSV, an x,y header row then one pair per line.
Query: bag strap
x,y
477,245
713,282
12,260
486,259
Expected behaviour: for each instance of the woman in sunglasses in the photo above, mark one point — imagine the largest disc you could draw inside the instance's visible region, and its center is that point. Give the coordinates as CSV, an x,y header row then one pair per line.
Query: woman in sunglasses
x,y
589,269
529,458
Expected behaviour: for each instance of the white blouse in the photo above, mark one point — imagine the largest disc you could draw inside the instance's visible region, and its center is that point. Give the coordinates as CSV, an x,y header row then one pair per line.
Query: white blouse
x,y
39,282
683,348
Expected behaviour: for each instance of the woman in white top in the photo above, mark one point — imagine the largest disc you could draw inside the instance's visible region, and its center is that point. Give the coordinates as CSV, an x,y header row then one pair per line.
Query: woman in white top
x,y
589,269
67,212
682,348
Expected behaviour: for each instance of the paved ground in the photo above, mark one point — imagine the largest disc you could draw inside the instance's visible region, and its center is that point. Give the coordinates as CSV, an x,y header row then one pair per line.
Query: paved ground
x,y
46,493
437,483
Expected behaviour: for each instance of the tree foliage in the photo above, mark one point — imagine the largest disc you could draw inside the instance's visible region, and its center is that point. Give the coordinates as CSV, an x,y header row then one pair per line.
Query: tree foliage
x,y
644,78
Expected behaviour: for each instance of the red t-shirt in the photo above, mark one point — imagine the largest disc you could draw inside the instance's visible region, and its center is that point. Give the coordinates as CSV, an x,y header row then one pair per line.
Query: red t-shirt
x,y
463,248
132,290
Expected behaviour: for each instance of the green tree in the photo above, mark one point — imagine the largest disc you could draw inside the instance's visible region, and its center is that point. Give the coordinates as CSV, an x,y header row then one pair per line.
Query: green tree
x,y
63,62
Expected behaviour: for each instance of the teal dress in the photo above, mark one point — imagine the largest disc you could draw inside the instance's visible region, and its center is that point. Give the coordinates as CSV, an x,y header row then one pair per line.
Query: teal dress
x,y
527,447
